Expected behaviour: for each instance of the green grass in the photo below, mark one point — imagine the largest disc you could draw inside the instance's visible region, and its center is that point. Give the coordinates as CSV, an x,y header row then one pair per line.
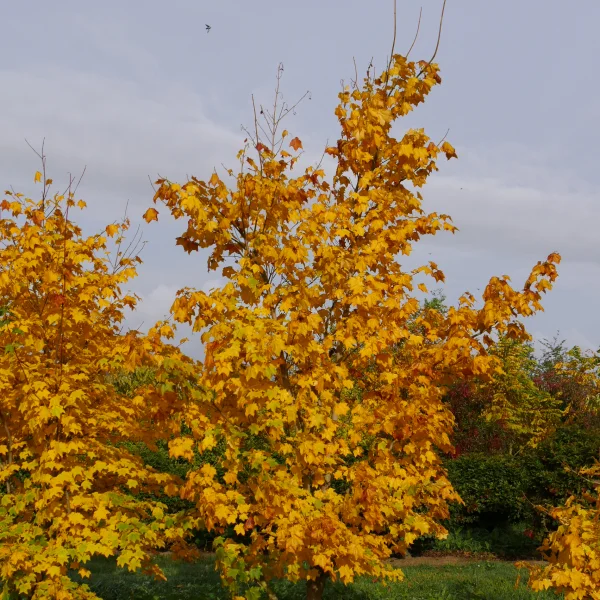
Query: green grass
x,y
199,581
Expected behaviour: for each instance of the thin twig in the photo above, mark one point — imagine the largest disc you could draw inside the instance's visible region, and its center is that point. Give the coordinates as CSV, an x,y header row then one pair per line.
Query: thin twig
x,y
393,46
417,33
257,136
442,140
438,40
151,184
79,180
42,157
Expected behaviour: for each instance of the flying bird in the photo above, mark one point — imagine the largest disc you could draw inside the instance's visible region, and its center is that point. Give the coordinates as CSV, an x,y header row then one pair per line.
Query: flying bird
x,y
207,28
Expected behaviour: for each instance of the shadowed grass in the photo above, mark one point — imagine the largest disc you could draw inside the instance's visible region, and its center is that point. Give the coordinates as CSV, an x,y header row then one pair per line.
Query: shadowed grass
x,y
474,581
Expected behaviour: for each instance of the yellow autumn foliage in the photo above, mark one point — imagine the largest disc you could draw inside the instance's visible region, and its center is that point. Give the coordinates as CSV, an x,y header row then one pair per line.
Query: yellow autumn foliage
x,y
321,479
67,485
525,410
573,550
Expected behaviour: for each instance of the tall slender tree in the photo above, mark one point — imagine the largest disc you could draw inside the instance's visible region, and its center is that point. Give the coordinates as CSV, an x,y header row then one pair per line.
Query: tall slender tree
x,y
322,482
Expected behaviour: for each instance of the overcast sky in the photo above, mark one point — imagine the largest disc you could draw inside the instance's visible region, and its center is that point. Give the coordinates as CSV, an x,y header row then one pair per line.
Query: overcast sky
x,y
131,89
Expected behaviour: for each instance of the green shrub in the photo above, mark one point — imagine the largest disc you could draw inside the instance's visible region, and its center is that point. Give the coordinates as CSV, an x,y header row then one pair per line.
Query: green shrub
x,y
493,488
501,492
560,457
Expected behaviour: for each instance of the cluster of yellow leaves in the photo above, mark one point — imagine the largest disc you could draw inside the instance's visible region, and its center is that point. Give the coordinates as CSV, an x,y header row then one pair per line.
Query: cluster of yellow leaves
x,y
327,473
516,401
67,484
584,369
573,550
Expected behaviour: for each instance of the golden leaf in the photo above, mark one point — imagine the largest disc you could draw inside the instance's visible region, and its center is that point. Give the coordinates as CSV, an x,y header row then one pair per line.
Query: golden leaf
x,y
151,215
112,229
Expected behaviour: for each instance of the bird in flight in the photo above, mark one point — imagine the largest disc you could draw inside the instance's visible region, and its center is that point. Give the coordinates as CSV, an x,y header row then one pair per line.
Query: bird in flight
x,y
207,28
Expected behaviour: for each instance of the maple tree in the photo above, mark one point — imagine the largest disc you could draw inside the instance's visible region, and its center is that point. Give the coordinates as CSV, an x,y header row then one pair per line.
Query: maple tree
x,y
326,475
67,485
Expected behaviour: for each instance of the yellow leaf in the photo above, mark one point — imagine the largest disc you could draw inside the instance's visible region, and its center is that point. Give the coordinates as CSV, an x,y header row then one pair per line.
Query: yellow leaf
x,y
151,215
182,448
38,177
448,150
251,409
341,408
112,229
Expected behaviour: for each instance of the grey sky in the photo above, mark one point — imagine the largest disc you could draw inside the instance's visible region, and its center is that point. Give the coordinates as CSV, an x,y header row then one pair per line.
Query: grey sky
x,y
134,88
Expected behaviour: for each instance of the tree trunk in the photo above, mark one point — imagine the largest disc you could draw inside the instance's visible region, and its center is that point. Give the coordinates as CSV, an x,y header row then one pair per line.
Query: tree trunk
x,y
315,587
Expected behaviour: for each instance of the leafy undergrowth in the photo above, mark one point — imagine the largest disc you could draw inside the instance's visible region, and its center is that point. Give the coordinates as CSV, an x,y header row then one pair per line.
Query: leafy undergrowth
x,y
474,581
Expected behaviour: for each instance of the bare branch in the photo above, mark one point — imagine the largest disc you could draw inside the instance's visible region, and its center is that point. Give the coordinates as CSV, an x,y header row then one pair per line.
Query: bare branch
x,y
417,33
393,46
442,140
79,180
355,74
438,40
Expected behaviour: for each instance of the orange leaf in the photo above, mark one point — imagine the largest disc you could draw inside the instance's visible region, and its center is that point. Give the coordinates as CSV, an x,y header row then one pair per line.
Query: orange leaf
x,y
38,217
188,245
296,144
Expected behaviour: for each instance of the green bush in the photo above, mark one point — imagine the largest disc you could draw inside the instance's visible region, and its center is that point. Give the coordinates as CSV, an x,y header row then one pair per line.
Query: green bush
x,y
560,457
493,488
501,493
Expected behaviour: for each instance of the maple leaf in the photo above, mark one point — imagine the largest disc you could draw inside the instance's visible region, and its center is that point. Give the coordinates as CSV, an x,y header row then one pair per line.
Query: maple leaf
x,y
112,229
448,150
151,215
296,144
188,245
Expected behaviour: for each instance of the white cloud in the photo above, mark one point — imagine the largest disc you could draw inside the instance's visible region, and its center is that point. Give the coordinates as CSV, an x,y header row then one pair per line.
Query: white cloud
x,y
525,212
129,96
122,130
158,302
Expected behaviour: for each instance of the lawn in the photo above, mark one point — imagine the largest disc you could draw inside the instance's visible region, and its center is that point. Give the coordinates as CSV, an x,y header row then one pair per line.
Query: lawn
x,y
199,581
